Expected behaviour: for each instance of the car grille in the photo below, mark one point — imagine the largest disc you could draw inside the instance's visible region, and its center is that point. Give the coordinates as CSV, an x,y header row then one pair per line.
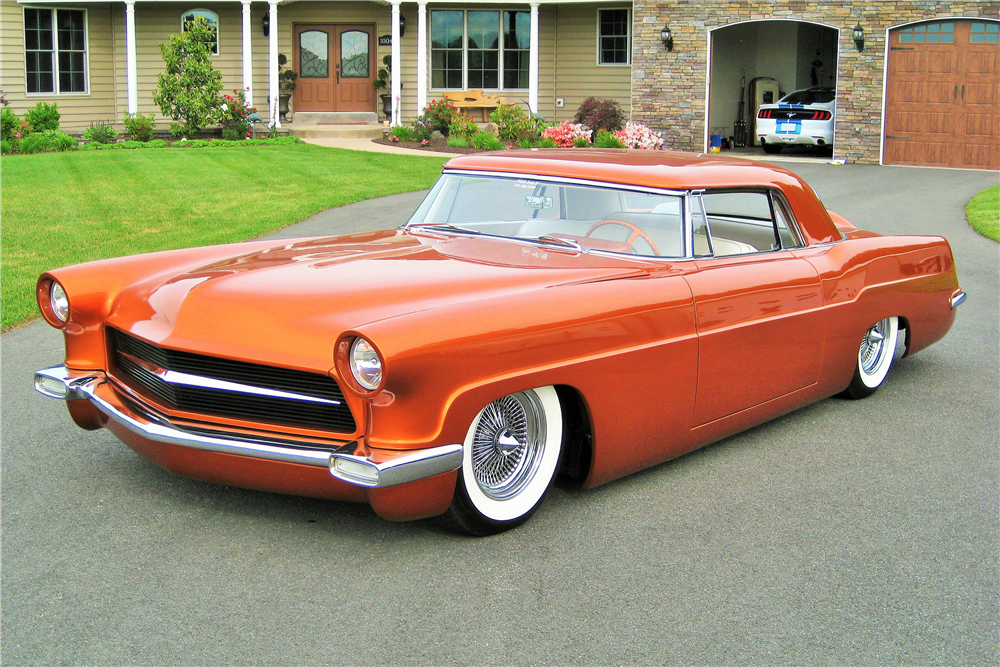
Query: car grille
x,y
136,360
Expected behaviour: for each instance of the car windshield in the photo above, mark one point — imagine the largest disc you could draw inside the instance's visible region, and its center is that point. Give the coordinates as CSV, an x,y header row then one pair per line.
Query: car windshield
x,y
569,214
809,97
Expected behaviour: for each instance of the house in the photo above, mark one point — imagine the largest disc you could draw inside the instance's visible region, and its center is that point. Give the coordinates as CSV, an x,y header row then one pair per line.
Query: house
x,y
916,80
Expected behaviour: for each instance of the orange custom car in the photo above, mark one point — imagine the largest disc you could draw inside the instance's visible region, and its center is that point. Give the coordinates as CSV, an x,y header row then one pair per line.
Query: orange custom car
x,y
583,314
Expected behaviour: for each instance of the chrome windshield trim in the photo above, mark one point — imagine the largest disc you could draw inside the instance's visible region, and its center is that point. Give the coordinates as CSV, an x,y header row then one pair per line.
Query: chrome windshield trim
x,y
517,176
186,379
90,385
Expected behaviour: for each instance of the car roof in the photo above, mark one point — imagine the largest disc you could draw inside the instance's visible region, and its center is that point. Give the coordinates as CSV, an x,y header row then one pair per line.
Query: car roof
x,y
670,170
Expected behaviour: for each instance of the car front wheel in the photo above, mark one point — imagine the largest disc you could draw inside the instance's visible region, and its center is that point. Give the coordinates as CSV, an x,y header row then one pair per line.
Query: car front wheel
x,y
511,455
878,346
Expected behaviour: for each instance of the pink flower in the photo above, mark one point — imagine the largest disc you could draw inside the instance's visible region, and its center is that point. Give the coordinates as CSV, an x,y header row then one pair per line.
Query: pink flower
x,y
425,142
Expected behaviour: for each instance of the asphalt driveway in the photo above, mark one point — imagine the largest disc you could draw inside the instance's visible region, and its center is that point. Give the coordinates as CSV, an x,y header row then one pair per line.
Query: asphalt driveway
x,y
849,532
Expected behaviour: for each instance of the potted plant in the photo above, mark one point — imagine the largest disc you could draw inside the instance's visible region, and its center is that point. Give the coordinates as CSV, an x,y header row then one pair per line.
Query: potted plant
x,y
381,82
286,85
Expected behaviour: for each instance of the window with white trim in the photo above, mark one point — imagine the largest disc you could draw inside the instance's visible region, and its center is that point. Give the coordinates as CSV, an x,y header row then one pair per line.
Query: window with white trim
x,y
55,50
614,36
479,48
211,18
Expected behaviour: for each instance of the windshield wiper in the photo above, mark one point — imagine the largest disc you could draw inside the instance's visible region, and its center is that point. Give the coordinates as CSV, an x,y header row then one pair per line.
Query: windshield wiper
x,y
551,239
446,226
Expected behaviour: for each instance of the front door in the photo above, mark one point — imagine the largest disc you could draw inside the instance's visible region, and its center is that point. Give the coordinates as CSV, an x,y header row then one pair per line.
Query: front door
x,y
335,68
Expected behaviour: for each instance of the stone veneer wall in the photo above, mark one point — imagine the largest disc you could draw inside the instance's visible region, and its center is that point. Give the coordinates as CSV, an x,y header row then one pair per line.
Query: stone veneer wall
x,y
669,89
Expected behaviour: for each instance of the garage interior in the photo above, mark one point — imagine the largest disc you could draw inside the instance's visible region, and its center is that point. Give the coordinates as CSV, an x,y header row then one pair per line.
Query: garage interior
x,y
795,54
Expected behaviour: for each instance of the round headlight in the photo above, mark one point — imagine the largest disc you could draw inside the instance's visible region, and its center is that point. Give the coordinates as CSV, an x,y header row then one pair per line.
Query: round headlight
x,y
366,364
58,301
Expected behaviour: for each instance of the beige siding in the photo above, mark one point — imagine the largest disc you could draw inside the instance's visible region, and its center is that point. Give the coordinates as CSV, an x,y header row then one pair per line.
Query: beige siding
x,y
77,110
577,74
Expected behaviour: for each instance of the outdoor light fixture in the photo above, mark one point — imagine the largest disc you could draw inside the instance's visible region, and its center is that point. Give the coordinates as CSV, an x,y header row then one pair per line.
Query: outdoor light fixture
x,y
402,25
266,25
859,37
667,38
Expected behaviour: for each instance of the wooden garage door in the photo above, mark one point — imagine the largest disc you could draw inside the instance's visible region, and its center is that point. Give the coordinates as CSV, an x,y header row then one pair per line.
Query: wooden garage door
x,y
943,97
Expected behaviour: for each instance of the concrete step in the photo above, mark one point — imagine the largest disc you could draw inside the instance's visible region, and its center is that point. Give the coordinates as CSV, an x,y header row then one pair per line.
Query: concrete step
x,y
358,131
337,117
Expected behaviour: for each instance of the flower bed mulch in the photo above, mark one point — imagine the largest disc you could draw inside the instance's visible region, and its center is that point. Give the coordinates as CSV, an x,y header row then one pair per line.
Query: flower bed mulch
x,y
436,145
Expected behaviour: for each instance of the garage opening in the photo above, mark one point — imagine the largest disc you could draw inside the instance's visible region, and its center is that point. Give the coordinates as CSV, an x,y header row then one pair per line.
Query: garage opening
x,y
757,63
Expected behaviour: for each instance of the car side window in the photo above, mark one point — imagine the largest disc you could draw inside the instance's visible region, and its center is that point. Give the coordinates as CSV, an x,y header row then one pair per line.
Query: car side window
x,y
699,224
787,231
741,222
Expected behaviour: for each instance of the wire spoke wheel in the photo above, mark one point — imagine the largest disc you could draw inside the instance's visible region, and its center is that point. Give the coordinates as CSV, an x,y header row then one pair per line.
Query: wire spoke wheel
x,y
511,455
878,345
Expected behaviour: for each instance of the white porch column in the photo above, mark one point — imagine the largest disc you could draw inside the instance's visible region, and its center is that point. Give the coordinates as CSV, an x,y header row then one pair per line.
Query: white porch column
x,y
533,61
396,65
130,75
247,54
272,94
421,56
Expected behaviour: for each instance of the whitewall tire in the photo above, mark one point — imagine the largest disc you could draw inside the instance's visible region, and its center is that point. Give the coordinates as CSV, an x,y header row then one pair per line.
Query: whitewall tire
x,y
875,355
511,454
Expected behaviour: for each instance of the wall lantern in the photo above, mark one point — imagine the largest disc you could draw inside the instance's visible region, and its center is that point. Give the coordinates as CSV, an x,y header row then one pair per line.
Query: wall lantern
x,y
859,37
402,25
667,38
266,24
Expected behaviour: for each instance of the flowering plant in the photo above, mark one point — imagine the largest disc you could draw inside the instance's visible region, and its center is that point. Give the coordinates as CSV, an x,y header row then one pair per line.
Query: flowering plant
x,y
565,133
462,126
425,142
441,112
233,113
637,135
393,138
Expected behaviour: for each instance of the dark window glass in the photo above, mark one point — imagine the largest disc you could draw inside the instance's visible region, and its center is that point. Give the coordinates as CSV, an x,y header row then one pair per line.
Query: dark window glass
x,y
516,48
812,96
613,36
211,19
38,41
447,28
483,42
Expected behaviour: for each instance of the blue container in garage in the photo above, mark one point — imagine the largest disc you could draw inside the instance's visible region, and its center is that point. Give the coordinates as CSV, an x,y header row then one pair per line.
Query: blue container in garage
x,y
715,143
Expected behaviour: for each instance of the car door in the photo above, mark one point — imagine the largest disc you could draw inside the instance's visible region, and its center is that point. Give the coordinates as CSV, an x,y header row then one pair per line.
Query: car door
x,y
760,320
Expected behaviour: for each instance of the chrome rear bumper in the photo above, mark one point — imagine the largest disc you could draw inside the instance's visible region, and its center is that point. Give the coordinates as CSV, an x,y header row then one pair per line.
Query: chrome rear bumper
x,y
958,299
62,383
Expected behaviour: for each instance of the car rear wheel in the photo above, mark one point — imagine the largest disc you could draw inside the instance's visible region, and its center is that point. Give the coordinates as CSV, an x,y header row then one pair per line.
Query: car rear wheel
x,y
771,148
511,455
878,346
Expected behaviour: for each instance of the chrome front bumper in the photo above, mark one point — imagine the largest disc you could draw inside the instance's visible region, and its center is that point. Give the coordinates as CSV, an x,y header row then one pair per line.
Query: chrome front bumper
x,y
62,383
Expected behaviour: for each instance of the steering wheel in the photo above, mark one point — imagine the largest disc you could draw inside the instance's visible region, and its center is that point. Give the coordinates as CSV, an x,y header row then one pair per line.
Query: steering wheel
x,y
636,233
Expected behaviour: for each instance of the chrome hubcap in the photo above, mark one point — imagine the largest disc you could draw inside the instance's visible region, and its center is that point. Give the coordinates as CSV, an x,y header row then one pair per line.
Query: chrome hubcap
x,y
508,444
873,347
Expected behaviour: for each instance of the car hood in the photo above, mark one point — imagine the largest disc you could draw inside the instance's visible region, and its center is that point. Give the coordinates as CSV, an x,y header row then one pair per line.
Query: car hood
x,y
288,304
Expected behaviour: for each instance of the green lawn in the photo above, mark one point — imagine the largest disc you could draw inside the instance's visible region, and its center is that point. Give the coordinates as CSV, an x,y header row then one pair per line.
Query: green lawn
x,y
983,213
65,208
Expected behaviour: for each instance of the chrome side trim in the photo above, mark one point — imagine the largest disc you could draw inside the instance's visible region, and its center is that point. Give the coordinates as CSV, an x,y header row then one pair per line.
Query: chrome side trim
x,y
94,387
176,377
958,299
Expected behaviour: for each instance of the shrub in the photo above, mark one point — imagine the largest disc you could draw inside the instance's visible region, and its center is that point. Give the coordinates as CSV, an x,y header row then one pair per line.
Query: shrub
x,y
36,142
233,113
513,123
637,135
43,117
546,142
188,89
486,142
600,114
441,112
8,123
139,127
455,141
100,132
59,141
462,126
402,133
6,146
527,142
565,133
581,142
605,139
423,127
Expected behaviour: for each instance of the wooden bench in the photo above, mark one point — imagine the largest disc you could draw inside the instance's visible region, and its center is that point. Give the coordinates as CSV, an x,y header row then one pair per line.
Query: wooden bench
x,y
475,99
